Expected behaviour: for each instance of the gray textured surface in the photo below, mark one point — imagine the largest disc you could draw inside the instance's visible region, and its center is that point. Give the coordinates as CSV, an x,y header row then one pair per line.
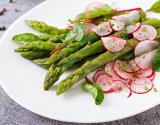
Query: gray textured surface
x,y
13,114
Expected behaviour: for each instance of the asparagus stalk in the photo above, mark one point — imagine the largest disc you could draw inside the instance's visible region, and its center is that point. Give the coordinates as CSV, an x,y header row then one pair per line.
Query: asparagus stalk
x,y
31,55
44,28
39,45
105,10
90,38
90,66
55,71
39,61
30,37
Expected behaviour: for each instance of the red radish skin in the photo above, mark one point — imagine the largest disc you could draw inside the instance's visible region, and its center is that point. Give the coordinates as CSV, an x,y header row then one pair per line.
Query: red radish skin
x,y
145,32
97,73
56,50
113,44
116,25
105,82
103,29
144,61
133,28
94,5
152,77
128,18
141,86
145,73
145,46
129,66
121,73
128,10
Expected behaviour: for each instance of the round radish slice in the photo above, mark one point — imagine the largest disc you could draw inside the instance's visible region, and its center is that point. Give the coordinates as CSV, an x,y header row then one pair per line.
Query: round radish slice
x,y
89,28
129,66
113,44
117,25
144,61
145,73
120,87
128,18
145,32
141,86
133,28
103,29
109,68
105,82
97,73
120,72
145,46
94,5
152,76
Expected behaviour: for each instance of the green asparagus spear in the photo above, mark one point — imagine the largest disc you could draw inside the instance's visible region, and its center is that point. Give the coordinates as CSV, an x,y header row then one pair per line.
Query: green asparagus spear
x,y
90,38
90,66
127,56
44,28
25,37
31,55
95,90
39,61
55,71
97,12
39,45
30,37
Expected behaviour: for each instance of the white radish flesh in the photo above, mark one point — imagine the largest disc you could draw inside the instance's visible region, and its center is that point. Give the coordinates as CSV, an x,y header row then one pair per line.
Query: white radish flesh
x,y
105,82
113,44
144,61
145,46
122,74
145,32
103,29
141,86
129,18
145,73
117,25
133,28
89,28
97,73
129,66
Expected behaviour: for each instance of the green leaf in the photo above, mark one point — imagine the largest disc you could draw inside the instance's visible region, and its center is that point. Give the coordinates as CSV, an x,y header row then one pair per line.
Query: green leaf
x,y
94,90
155,7
156,61
76,33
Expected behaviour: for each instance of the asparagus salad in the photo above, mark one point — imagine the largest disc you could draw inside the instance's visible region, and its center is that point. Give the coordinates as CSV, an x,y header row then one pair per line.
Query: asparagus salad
x,y
120,47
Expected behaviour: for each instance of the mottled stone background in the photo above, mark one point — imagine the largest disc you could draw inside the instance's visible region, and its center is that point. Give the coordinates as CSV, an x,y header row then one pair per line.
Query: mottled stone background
x,y
13,114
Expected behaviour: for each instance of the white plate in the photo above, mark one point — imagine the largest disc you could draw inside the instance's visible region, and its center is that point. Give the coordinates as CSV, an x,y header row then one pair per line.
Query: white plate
x,y
23,81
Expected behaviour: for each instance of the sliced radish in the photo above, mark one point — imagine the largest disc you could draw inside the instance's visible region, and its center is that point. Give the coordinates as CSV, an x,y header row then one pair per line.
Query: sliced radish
x,y
113,44
129,66
97,73
144,61
89,28
109,68
133,28
103,29
105,82
120,87
120,72
94,5
152,76
141,86
145,73
145,32
69,26
128,18
145,46
117,25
